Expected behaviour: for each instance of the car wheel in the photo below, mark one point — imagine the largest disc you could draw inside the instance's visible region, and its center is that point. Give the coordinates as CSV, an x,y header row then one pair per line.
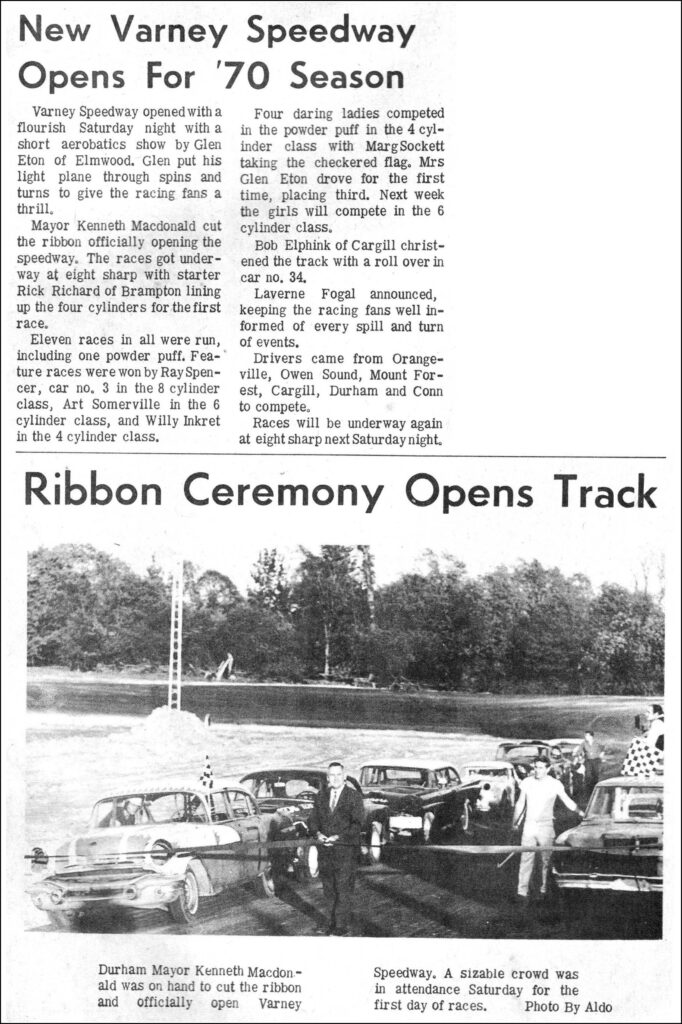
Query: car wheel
x,y
376,843
312,862
427,827
266,883
185,908
66,922
307,863
465,817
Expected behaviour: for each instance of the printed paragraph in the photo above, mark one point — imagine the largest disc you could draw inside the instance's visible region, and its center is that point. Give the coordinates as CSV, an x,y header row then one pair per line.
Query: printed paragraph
x,y
331,303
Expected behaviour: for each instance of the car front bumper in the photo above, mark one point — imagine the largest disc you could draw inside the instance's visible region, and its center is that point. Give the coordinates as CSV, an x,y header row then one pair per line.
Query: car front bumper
x,y
406,824
145,891
609,883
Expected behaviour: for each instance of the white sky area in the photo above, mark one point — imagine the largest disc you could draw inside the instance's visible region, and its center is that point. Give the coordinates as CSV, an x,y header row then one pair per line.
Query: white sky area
x,y
391,563
640,565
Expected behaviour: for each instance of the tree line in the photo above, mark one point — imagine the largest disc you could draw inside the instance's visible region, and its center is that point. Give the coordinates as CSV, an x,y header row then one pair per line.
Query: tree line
x,y
527,628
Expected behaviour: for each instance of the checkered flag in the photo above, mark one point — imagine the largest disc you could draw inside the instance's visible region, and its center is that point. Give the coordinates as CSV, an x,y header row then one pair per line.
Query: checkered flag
x,y
206,779
641,759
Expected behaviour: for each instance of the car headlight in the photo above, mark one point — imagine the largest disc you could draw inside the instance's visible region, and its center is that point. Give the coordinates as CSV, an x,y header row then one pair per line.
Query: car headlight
x,y
159,853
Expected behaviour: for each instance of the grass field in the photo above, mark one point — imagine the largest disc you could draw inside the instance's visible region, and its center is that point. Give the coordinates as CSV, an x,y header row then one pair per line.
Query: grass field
x,y
337,706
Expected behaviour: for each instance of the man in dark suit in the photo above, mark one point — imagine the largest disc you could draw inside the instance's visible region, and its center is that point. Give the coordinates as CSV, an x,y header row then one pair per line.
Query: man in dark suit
x,y
336,822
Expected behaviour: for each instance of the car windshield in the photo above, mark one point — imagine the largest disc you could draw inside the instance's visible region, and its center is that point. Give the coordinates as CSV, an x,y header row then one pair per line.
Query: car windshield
x,y
149,808
527,750
385,775
286,787
488,773
567,747
626,803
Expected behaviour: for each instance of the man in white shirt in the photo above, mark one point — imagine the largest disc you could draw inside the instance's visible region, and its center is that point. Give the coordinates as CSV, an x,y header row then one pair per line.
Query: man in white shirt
x,y
535,807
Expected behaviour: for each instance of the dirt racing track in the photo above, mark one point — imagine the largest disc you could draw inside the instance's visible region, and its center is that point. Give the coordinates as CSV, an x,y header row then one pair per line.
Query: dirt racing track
x,y
411,895
422,892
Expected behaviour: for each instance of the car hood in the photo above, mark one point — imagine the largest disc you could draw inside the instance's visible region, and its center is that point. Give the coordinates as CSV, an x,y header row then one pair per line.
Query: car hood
x,y
398,793
121,843
407,796
603,832
276,803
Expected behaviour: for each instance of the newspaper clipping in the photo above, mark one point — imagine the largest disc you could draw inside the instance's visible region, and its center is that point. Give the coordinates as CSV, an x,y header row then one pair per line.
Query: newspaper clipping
x,y
340,501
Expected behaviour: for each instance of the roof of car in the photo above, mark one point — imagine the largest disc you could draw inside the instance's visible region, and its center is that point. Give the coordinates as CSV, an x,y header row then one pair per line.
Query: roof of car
x,y
632,781
523,743
565,739
174,786
287,769
488,764
428,765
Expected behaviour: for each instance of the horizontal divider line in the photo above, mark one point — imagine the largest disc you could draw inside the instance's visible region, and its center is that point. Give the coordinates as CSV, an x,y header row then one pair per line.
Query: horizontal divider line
x,y
332,455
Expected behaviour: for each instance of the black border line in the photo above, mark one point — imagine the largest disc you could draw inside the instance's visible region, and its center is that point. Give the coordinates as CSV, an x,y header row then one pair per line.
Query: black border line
x,y
330,455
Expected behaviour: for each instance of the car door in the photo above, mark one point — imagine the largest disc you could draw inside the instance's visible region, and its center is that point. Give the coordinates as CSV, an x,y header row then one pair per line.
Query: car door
x,y
221,865
440,793
245,819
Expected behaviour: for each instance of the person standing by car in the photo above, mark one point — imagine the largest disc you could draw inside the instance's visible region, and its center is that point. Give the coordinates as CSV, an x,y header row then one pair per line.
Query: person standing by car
x,y
336,822
656,730
593,755
535,808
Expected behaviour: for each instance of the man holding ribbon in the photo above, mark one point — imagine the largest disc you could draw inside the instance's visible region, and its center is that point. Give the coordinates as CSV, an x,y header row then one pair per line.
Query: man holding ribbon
x,y
535,810
336,823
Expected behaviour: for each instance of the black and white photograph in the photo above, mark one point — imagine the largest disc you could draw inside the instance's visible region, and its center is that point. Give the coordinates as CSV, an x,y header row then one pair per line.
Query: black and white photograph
x,y
469,718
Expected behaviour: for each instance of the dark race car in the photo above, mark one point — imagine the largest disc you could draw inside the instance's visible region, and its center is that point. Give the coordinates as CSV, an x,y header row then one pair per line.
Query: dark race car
x,y
522,754
290,793
568,745
618,847
573,776
426,799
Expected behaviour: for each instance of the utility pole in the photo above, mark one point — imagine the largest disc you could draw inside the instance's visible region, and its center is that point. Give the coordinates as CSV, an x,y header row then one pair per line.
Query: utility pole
x,y
175,659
